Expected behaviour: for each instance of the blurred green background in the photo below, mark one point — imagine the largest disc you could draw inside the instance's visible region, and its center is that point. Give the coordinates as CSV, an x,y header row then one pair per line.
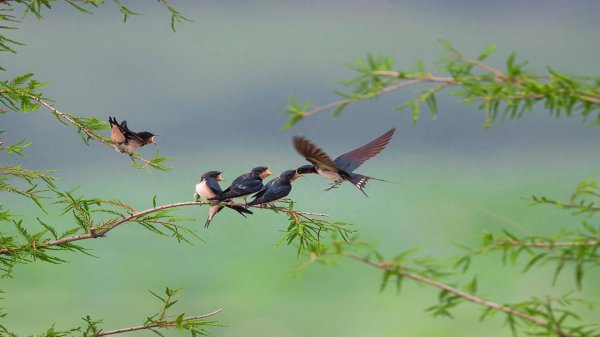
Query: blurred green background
x,y
213,92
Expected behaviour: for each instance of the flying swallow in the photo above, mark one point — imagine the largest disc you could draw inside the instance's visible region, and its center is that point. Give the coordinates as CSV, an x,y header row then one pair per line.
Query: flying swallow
x,y
244,185
342,168
275,189
125,140
208,187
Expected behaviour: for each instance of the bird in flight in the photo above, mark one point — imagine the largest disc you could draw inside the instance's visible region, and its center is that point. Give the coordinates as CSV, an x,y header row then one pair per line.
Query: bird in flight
x,y
341,168
125,140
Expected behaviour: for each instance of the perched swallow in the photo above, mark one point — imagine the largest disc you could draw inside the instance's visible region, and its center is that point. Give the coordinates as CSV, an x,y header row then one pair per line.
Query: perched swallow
x,y
125,140
340,169
275,189
245,184
208,187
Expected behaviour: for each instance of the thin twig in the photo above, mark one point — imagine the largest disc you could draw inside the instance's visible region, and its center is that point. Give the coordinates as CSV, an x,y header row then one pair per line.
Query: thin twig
x,y
469,297
391,88
546,244
156,325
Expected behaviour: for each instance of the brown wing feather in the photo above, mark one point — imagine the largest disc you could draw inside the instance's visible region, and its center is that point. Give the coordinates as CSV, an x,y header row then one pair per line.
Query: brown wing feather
x,y
313,154
350,161
116,135
133,138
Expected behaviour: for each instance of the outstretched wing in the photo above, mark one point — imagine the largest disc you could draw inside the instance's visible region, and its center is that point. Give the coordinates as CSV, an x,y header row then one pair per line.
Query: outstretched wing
x,y
313,154
350,161
116,134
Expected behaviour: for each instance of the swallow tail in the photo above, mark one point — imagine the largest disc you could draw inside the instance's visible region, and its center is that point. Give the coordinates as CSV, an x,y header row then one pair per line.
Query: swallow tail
x,y
359,181
240,209
214,209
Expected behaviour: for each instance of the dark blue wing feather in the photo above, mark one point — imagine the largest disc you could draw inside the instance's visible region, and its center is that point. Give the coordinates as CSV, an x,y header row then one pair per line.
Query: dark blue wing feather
x,y
279,189
213,184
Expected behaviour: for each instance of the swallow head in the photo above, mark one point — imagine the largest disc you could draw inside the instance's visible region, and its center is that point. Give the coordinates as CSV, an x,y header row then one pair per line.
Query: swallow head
x,y
290,175
212,174
262,171
306,169
147,136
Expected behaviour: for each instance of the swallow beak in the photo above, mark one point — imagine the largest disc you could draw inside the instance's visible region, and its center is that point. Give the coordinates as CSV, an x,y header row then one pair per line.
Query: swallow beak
x,y
219,177
268,172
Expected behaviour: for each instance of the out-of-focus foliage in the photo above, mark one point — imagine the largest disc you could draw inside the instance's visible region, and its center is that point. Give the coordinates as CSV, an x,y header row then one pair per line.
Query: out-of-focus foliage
x,y
499,93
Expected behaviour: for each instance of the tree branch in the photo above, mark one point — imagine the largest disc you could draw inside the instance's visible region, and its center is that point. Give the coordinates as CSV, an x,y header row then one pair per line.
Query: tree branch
x,y
161,324
391,88
511,92
545,244
91,134
458,292
103,229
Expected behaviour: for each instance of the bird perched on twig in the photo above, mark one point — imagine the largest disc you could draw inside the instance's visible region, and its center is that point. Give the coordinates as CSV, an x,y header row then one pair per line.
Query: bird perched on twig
x,y
341,168
244,185
208,187
275,189
125,140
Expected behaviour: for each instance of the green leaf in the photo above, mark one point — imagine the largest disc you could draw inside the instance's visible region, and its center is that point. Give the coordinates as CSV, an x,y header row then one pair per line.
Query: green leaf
x,y
490,49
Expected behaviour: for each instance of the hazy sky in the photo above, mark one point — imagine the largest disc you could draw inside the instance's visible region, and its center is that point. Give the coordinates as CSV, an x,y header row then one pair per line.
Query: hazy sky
x,y
221,80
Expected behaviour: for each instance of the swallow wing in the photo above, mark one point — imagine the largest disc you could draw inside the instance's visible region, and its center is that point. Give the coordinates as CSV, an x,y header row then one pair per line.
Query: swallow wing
x,y
313,154
350,161
135,139
264,189
116,135
213,185
275,192
241,188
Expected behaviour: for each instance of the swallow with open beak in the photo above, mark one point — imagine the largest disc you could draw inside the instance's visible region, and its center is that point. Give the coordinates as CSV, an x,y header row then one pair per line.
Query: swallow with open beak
x,y
341,168
275,189
244,185
125,140
208,187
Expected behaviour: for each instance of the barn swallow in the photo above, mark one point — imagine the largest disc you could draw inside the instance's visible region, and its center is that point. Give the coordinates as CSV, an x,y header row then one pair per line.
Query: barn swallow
x,y
275,189
125,140
208,187
340,169
245,184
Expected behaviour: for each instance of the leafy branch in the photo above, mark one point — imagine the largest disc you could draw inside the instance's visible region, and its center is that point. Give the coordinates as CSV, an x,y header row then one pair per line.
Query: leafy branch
x,y
36,7
22,94
194,325
529,315
578,248
508,93
585,198
91,222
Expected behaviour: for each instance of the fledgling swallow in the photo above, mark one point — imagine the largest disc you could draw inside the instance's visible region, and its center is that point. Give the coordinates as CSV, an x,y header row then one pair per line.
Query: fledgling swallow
x,y
208,187
275,189
342,168
125,140
244,185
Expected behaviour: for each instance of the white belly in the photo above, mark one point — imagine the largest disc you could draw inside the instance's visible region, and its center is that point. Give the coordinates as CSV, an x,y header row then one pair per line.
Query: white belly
x,y
329,175
204,191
